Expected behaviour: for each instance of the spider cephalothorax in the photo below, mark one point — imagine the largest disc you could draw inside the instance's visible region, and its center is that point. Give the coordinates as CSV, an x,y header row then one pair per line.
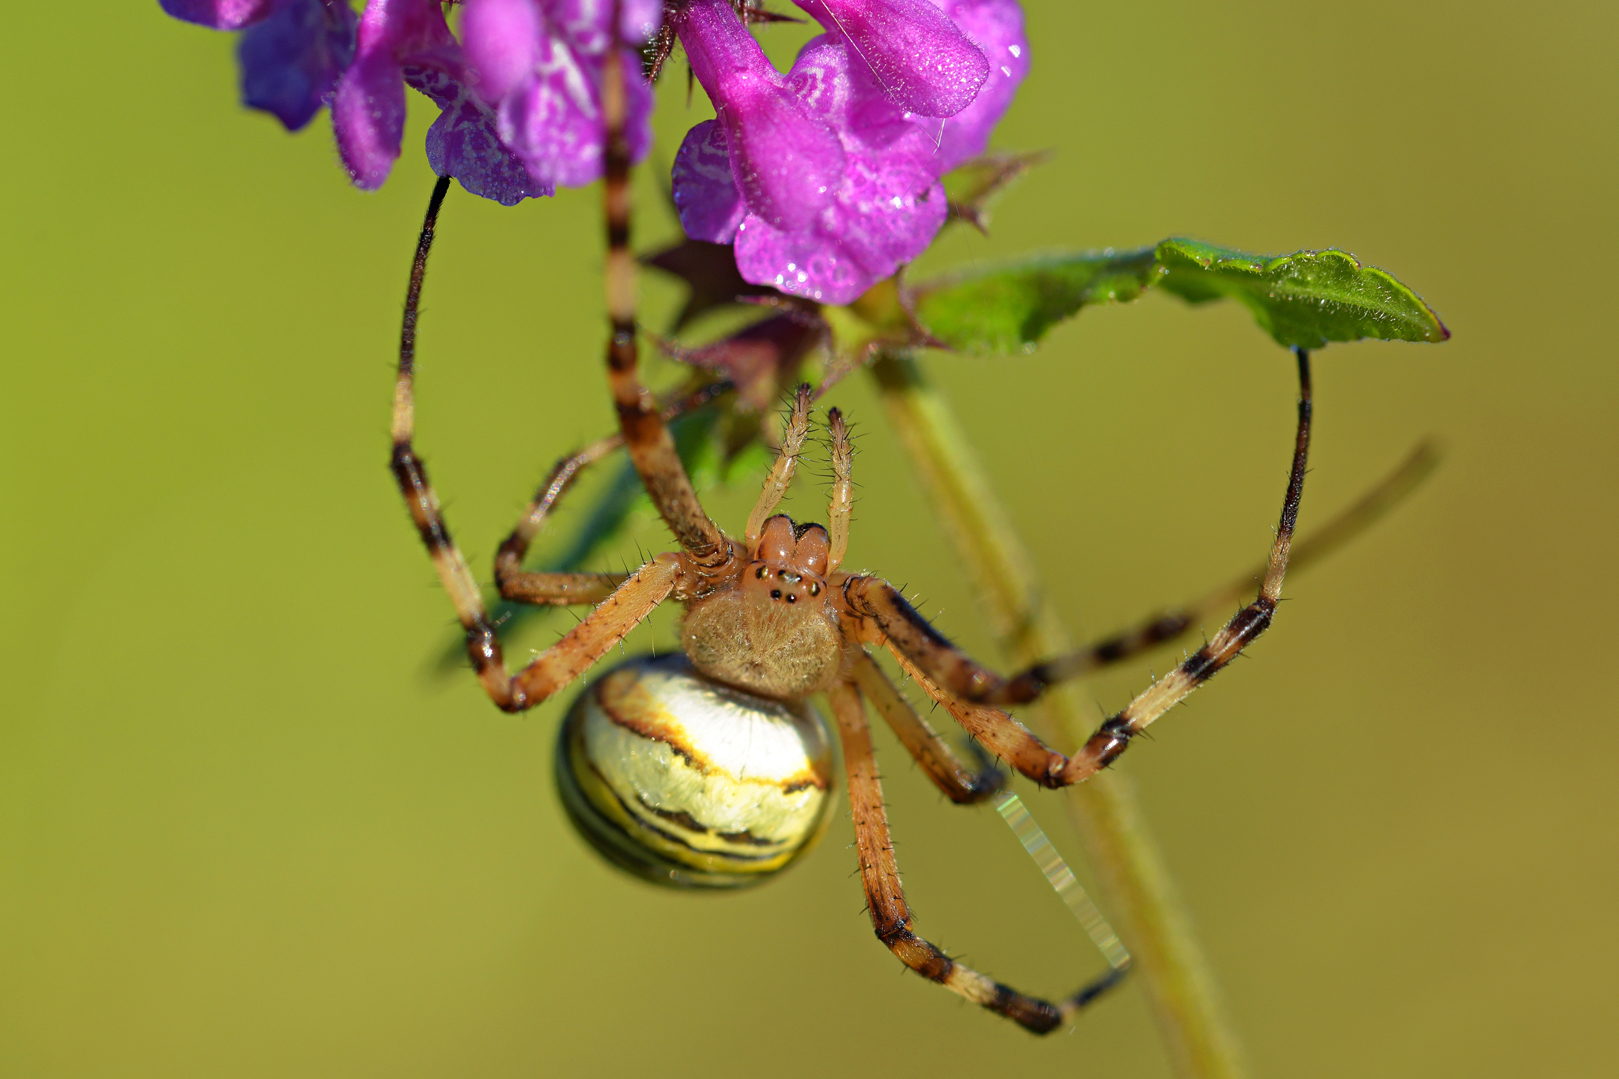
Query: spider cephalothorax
x,y
775,630
651,767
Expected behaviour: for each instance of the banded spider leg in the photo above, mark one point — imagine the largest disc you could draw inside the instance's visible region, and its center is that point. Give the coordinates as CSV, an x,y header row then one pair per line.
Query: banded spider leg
x,y
970,691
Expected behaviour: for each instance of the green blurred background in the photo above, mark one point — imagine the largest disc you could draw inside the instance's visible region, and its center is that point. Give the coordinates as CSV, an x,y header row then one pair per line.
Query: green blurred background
x,y
244,829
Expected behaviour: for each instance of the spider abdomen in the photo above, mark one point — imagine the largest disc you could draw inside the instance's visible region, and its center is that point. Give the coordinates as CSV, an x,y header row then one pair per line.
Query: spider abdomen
x,y
690,783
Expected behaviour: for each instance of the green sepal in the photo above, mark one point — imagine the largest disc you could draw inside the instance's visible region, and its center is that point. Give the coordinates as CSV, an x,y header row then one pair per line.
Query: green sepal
x,y
974,185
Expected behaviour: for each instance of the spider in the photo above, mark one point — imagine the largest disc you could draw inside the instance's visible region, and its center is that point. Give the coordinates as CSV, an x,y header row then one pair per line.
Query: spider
x,y
652,763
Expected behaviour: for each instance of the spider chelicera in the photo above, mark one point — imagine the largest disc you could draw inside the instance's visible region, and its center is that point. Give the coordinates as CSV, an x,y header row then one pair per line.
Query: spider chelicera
x,y
708,768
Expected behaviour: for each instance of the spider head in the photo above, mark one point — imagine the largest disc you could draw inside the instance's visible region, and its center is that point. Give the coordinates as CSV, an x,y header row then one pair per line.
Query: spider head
x,y
774,632
789,563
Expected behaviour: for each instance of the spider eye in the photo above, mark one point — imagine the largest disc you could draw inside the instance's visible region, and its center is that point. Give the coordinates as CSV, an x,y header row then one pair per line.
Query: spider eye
x,y
692,784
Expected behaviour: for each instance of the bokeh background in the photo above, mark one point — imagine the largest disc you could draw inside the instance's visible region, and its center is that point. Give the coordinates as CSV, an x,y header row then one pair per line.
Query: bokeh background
x,y
246,830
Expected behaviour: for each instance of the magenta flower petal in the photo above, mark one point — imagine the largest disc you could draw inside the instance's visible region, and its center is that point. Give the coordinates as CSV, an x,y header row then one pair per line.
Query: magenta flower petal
x,y
997,27
585,22
914,52
836,265
299,54
368,118
501,39
219,14
291,61
553,121
463,142
787,165
540,62
907,88
404,27
368,113
639,20
705,194
886,210
786,161
406,42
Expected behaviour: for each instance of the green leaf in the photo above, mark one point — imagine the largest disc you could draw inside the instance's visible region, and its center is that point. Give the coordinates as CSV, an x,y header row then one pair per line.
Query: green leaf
x,y
1008,308
1302,300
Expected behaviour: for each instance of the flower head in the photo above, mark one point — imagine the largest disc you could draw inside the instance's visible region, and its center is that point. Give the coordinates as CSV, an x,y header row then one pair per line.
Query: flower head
x,y
825,178
520,109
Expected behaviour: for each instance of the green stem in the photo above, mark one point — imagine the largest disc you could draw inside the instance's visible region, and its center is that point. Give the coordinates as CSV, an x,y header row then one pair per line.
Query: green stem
x,y
1135,882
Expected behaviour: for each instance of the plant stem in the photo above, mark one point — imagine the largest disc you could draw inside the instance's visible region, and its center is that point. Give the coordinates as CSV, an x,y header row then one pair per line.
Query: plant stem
x,y
1135,883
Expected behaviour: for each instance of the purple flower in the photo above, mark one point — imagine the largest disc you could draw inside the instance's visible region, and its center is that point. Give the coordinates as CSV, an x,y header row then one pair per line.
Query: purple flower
x,y
828,217
539,64
291,54
826,179
406,42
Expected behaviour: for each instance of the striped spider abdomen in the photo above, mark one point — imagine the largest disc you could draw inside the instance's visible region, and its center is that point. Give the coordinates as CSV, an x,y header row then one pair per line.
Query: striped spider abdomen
x,y
690,783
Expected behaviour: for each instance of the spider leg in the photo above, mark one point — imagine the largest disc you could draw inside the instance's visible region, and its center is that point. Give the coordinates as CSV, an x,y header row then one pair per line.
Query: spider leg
x,y
837,517
650,445
959,783
891,915
965,687
1113,737
565,589
580,647
996,731
549,588
781,473
1170,625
